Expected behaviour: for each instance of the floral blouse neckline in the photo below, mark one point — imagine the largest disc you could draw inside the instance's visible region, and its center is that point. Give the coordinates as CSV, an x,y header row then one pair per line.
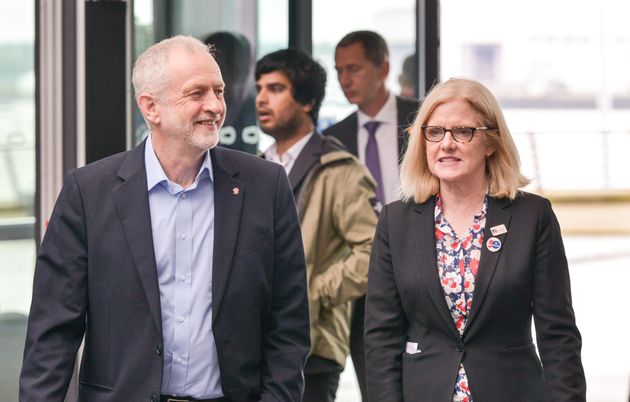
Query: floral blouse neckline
x,y
442,225
457,264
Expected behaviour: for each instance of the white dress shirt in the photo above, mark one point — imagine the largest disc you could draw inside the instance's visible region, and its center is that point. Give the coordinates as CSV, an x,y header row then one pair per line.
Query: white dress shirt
x,y
287,159
387,140
182,223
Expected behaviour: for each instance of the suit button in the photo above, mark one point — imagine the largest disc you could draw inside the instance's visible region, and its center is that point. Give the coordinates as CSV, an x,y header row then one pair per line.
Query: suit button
x,y
154,398
158,350
460,347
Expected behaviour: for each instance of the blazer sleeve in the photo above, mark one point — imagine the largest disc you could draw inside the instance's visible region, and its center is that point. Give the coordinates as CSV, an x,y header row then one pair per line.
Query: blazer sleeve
x,y
56,323
559,341
355,220
286,338
385,322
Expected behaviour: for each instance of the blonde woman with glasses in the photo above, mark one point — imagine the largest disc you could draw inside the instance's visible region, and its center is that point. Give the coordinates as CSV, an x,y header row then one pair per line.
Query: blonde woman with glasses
x,y
461,265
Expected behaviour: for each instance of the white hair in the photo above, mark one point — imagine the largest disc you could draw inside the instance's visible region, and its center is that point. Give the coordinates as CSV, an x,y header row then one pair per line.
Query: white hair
x,y
150,70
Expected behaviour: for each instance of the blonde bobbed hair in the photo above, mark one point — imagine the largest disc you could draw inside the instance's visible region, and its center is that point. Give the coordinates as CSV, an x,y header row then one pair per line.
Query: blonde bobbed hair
x,y
503,174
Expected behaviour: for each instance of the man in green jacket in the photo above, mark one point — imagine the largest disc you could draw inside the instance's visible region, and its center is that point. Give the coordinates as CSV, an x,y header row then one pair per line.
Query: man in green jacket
x,y
335,197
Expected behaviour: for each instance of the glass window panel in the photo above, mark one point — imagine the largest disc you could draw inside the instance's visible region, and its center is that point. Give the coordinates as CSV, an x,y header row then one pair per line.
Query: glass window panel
x,y
17,185
240,31
332,20
565,85
273,26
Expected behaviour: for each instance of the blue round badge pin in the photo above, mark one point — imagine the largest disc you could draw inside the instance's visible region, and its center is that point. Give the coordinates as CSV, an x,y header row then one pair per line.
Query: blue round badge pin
x,y
493,244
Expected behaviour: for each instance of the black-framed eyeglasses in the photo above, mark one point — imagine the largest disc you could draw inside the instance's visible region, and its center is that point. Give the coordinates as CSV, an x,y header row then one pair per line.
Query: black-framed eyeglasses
x,y
459,134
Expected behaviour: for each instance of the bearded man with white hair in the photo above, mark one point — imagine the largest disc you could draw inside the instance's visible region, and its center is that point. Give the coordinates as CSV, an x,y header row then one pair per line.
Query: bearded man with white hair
x,y
181,263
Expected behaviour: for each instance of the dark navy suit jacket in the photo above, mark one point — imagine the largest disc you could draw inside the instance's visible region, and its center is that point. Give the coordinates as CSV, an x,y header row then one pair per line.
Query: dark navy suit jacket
x,y
96,275
346,130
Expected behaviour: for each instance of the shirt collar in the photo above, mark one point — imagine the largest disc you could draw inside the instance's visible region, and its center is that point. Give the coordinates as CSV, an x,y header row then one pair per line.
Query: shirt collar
x,y
156,174
290,154
387,114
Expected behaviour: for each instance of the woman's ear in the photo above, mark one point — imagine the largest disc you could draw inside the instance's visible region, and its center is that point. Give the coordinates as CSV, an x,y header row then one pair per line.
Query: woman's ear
x,y
491,145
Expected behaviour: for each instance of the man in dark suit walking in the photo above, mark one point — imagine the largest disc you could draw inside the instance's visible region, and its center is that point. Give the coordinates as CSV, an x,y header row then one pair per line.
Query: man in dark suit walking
x,y
375,133
181,263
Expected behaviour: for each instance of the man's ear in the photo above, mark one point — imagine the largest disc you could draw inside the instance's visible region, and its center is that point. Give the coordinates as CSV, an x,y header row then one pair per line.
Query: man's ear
x,y
149,108
307,107
385,69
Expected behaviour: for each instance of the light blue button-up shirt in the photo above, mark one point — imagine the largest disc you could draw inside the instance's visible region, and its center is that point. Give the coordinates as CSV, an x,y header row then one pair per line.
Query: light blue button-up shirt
x,y
182,222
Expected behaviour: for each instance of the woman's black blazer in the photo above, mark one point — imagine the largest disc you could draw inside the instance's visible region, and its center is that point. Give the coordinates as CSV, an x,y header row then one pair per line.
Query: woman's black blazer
x,y
527,277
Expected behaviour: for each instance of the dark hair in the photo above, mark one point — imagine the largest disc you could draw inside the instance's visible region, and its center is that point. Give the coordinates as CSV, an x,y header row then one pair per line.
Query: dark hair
x,y
232,53
374,46
408,70
307,77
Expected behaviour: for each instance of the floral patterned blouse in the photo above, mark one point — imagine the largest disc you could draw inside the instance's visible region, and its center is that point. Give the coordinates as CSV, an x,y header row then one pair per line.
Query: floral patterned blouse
x,y
458,261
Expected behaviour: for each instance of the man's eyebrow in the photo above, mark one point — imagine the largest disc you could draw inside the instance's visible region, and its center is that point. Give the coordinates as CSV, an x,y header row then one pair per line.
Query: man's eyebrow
x,y
194,86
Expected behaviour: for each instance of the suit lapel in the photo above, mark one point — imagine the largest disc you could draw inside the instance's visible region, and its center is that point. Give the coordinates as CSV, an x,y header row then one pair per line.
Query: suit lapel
x,y
348,136
132,202
423,225
228,201
308,157
498,213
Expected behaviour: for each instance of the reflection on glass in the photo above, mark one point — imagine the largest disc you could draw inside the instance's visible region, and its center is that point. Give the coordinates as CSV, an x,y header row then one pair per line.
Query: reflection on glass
x,y
408,76
17,185
238,30
234,55
394,20
17,156
144,36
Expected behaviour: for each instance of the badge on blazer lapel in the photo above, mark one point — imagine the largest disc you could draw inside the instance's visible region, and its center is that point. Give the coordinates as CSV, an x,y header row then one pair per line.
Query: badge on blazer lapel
x,y
493,244
498,230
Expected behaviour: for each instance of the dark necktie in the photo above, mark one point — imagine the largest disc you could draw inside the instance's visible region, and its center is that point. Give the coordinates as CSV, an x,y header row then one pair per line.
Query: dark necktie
x,y
371,158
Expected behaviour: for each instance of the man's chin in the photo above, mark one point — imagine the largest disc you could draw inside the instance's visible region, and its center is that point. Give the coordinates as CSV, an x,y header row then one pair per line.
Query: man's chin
x,y
266,129
351,97
205,141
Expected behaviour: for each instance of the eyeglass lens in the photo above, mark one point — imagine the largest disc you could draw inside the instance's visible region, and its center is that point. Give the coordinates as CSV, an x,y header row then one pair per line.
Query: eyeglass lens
x,y
460,134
